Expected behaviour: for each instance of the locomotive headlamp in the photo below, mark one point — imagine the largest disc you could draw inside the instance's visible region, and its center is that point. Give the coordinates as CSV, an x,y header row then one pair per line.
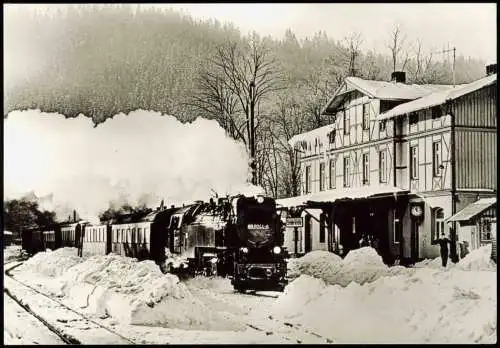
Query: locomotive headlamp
x,y
276,250
244,250
260,199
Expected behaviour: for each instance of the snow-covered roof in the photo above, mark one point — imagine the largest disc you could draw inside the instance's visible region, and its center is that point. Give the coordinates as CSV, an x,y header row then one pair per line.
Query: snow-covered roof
x,y
438,98
382,90
321,133
333,195
472,210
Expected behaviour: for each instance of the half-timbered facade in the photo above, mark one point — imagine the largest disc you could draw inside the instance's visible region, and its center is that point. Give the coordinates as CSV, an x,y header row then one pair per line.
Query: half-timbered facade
x,y
393,146
445,157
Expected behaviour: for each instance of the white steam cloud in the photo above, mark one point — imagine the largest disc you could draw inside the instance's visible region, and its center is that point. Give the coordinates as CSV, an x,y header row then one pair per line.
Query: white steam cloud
x,y
139,158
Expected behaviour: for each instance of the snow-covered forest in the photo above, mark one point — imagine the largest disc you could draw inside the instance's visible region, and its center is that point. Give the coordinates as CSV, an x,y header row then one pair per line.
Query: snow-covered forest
x,y
100,61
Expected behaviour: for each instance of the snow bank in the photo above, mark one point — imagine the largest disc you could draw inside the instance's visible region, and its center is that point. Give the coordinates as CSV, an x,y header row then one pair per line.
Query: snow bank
x,y
422,306
479,259
360,266
360,300
132,292
52,263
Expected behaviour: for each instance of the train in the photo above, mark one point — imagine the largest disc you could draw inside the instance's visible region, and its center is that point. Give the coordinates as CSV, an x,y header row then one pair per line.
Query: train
x,y
239,237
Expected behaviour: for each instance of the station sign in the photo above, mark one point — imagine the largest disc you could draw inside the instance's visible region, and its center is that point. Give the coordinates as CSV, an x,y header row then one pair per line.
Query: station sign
x,y
294,222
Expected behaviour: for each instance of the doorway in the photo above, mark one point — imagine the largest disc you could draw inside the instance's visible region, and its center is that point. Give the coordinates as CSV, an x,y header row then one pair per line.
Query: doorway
x,y
414,240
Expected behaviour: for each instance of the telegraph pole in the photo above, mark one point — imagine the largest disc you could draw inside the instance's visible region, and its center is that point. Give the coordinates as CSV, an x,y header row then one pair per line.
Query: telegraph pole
x,y
454,50
252,133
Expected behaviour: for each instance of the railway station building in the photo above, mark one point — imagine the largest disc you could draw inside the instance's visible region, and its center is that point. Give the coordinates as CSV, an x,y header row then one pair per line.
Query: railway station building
x,y
397,162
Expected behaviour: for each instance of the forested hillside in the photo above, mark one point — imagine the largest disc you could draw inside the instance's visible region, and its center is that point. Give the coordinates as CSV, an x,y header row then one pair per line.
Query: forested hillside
x,y
100,61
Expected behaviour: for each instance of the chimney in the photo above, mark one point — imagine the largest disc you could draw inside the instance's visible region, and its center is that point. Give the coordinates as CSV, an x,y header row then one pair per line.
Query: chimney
x,y
398,76
74,215
491,69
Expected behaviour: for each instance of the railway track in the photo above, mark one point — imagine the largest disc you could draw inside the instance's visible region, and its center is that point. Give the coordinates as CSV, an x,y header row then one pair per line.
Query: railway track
x,y
104,335
64,337
269,325
79,322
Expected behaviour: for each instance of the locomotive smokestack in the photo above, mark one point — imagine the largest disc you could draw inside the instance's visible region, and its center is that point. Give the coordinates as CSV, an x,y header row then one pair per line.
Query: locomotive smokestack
x,y
74,215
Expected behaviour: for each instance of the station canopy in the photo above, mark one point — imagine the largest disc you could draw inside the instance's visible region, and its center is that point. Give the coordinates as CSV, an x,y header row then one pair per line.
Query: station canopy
x,y
473,210
334,195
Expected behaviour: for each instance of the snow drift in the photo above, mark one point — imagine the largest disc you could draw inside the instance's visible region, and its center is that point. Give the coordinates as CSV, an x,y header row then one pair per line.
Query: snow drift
x,y
132,292
395,305
139,158
361,266
477,260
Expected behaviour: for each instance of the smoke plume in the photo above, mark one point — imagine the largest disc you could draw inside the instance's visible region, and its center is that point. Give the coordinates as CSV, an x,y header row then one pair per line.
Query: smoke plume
x,y
139,159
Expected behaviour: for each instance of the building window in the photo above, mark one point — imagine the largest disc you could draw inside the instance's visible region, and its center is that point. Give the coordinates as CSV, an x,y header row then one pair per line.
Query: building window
x,y
322,176
347,164
414,162
366,168
347,126
366,116
436,112
438,223
331,136
308,179
413,118
332,174
485,230
382,126
382,164
436,158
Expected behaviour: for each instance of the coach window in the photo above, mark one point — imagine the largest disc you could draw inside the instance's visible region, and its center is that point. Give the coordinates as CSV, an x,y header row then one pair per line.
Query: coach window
x,y
139,232
146,235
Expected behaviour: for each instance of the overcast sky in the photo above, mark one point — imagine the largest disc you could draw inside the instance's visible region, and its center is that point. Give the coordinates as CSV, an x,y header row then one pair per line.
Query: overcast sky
x,y
471,28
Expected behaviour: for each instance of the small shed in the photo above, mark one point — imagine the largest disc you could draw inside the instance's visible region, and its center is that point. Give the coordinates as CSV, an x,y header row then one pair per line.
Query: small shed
x,y
7,238
478,224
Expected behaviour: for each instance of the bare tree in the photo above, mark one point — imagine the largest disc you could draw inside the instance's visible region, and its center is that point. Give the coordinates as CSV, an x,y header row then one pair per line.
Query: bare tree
x,y
217,101
287,119
421,71
241,75
396,46
353,43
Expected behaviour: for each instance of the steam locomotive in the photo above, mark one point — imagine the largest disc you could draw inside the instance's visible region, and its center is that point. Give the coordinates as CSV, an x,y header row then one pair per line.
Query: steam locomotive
x,y
240,237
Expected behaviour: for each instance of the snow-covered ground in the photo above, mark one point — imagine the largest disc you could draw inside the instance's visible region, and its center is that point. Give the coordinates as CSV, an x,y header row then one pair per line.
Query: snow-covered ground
x,y
357,299
137,300
360,300
20,328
